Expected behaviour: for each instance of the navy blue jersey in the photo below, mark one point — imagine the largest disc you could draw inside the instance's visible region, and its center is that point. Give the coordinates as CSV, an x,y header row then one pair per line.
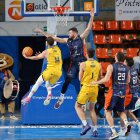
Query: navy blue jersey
x,y
134,81
119,78
76,49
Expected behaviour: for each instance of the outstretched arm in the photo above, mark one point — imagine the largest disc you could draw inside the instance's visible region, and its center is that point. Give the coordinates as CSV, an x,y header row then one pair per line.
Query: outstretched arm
x,y
37,57
107,76
57,39
86,32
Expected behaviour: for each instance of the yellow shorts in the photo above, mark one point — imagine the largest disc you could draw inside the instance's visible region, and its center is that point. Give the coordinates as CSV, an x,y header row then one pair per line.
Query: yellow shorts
x,y
51,75
87,94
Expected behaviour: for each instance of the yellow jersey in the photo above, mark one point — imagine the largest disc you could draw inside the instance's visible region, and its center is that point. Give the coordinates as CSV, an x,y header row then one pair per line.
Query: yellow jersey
x,y
54,58
91,72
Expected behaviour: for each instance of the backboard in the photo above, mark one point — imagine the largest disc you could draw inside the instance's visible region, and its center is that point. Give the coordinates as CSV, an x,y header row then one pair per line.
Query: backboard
x,y
43,7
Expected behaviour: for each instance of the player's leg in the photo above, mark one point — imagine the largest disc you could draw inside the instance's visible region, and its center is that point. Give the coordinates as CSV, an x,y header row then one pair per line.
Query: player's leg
x,y
131,114
122,126
49,96
137,105
70,75
110,102
92,102
55,76
81,100
120,109
33,90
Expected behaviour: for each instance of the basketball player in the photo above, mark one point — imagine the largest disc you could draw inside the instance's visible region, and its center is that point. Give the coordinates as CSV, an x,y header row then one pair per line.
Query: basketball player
x,y
75,44
131,94
51,74
90,70
115,97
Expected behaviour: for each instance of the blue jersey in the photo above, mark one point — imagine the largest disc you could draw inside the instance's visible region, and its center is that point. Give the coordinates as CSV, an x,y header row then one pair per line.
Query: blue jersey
x,y
76,49
134,82
119,79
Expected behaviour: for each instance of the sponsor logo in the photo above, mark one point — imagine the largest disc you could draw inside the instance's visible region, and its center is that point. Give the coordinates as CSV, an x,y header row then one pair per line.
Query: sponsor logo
x,y
53,97
14,10
29,7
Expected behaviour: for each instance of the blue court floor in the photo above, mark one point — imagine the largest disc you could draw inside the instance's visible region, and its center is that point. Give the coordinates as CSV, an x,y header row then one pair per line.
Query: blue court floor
x,y
14,130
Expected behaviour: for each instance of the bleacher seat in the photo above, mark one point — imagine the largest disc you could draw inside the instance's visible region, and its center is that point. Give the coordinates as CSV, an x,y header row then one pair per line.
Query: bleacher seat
x,y
100,39
130,37
127,25
98,26
104,66
112,25
132,52
102,52
115,39
115,50
99,52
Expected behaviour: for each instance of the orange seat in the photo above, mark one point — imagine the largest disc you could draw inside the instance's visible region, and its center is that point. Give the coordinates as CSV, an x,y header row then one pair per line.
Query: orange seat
x,y
132,52
115,39
98,26
98,52
102,52
99,39
130,37
104,66
127,25
115,50
138,24
112,25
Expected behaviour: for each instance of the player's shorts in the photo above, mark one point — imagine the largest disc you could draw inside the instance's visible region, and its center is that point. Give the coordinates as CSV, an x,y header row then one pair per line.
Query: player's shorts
x,y
112,101
130,100
87,94
131,106
51,75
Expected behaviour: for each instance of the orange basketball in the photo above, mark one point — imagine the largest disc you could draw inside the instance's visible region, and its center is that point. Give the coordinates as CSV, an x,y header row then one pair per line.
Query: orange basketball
x,y
28,51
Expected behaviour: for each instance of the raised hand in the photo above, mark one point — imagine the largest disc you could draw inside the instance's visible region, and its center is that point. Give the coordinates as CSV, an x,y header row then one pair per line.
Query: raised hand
x,y
92,12
37,30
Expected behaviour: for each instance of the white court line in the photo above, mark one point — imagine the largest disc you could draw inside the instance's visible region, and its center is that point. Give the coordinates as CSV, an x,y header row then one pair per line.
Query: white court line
x,y
50,126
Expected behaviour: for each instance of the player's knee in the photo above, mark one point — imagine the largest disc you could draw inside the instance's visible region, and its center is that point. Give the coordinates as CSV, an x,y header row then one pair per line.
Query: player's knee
x,y
107,112
91,107
70,76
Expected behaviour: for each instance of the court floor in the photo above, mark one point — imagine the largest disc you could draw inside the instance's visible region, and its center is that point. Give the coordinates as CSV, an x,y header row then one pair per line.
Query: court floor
x,y
14,130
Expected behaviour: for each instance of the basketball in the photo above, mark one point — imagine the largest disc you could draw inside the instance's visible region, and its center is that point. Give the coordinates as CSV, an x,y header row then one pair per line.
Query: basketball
x,y
28,51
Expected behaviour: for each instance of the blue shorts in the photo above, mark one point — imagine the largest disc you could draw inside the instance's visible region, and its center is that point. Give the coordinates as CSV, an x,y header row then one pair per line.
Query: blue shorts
x,y
116,102
131,106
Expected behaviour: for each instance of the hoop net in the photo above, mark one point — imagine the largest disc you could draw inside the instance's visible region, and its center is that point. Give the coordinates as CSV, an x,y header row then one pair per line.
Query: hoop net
x,y
61,14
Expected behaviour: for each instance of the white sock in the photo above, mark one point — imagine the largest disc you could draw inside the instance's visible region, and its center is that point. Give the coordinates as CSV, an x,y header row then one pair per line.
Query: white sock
x,y
138,123
94,128
84,122
113,129
61,96
125,122
49,89
30,94
36,85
